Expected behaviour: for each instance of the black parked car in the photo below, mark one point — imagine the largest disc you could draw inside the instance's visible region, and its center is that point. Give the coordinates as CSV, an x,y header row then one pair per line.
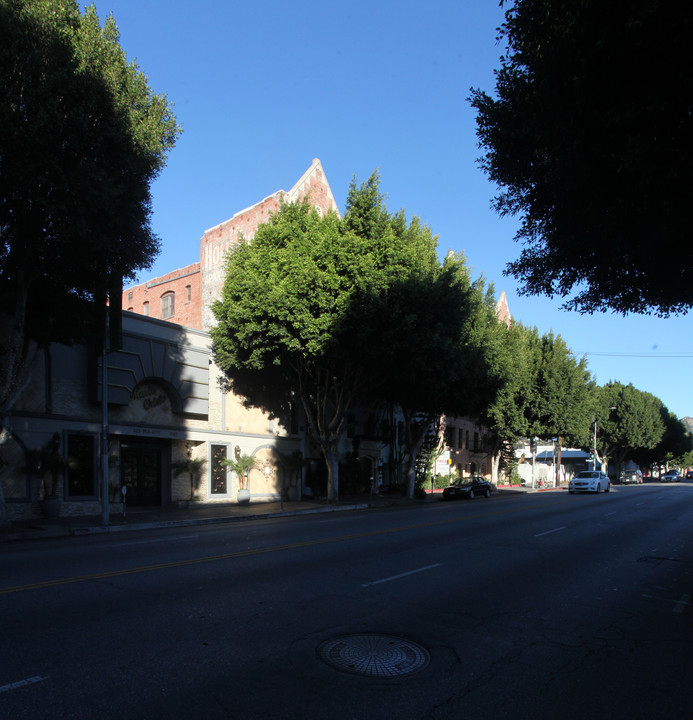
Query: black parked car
x,y
468,488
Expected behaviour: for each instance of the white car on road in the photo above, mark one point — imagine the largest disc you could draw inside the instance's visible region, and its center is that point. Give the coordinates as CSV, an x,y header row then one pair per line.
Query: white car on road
x,y
589,481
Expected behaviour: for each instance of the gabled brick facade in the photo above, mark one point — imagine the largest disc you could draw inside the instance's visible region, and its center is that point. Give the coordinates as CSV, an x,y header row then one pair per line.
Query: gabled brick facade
x,y
193,289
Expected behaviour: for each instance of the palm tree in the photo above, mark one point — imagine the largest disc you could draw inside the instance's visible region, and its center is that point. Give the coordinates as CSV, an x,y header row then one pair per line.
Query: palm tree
x,y
241,465
191,465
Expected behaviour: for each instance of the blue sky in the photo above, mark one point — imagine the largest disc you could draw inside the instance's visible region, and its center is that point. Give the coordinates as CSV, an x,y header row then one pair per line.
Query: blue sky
x,y
262,88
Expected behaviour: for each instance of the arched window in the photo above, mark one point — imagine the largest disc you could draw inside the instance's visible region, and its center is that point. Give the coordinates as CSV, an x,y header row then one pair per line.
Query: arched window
x,y
167,305
145,307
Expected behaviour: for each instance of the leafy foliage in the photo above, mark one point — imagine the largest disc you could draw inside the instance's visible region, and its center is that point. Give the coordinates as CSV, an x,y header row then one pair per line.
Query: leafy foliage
x,y
329,312
242,465
628,420
82,139
544,390
589,139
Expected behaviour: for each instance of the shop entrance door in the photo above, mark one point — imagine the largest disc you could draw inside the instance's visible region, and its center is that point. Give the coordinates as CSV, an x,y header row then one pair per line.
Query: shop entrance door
x,y
141,474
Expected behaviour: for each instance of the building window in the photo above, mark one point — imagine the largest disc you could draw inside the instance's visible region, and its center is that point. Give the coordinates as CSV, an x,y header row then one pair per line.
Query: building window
x,y
188,293
130,296
167,305
145,308
218,470
81,473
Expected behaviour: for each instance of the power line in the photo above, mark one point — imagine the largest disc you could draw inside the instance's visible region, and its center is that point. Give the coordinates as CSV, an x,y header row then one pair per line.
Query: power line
x,y
654,356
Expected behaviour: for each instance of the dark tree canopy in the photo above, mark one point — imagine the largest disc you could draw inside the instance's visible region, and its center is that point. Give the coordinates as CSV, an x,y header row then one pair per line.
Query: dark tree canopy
x,y
590,138
82,138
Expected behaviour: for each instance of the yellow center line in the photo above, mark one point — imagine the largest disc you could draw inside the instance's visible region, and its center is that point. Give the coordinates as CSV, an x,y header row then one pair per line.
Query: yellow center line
x,y
235,555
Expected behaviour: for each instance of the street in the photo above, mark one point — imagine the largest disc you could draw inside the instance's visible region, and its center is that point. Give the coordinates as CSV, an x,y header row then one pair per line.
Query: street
x,y
538,606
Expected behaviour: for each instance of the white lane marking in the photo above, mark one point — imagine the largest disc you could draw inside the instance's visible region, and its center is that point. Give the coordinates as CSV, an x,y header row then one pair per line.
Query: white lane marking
x,y
22,683
611,513
548,532
401,575
684,602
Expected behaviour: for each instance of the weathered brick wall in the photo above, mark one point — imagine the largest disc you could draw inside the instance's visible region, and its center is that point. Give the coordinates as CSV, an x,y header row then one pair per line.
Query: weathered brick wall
x,y
184,283
196,286
217,241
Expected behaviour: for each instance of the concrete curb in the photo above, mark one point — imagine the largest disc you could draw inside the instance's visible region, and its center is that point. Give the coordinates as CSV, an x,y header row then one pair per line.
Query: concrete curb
x,y
125,527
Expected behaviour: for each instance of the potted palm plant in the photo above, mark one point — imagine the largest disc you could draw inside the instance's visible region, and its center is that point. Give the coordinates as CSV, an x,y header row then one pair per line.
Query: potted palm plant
x,y
190,466
49,463
242,465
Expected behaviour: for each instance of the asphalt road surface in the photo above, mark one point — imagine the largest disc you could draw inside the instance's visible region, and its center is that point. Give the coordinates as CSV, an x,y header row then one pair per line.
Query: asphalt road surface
x,y
538,606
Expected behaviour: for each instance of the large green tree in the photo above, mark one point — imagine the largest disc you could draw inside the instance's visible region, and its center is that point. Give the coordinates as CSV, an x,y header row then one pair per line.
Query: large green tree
x,y
82,138
629,422
433,354
544,390
324,312
589,138
562,393
505,415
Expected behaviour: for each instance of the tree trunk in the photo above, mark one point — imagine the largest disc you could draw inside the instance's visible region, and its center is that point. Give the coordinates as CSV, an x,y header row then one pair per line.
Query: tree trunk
x,y
558,460
415,430
495,464
332,463
4,518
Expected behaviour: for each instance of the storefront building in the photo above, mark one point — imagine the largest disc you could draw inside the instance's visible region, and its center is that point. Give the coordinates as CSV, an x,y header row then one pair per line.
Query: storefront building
x,y
169,426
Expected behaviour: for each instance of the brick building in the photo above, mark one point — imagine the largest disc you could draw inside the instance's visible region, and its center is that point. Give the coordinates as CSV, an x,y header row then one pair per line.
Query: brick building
x,y
185,296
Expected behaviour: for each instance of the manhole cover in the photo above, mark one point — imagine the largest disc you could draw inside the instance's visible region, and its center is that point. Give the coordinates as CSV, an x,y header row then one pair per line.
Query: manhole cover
x,y
380,656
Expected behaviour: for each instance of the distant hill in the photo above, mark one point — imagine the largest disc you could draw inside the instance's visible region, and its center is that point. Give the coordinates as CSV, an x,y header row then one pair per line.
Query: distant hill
x,y
688,422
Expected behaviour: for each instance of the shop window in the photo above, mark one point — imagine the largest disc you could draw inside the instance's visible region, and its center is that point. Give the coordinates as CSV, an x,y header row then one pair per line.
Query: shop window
x,y
167,305
81,472
218,470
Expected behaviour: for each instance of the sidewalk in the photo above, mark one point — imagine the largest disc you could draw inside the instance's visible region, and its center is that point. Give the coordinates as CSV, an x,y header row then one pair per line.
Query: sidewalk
x,y
193,514
197,514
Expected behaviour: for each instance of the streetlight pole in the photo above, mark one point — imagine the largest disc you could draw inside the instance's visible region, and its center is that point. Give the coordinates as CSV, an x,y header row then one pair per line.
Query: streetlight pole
x,y
594,465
